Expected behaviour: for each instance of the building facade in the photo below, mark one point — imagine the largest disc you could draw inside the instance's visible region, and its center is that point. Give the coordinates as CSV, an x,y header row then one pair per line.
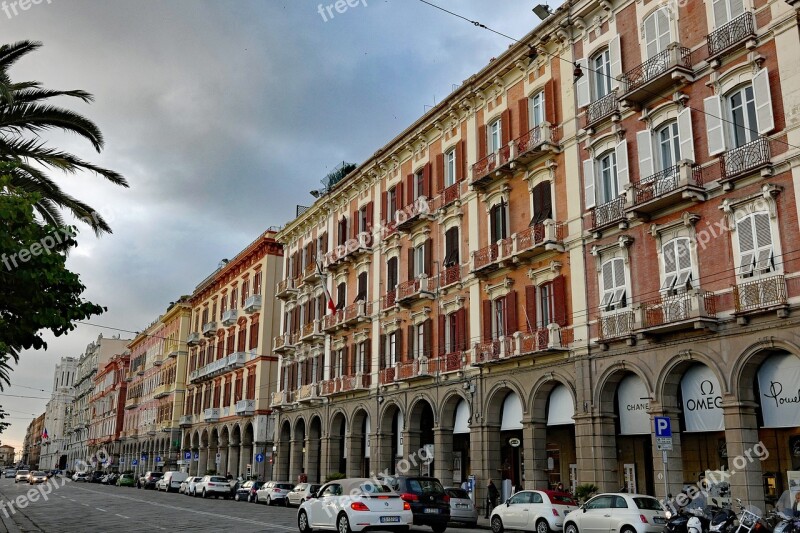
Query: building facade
x,y
107,407
32,444
594,230
226,423
54,446
7,455
155,393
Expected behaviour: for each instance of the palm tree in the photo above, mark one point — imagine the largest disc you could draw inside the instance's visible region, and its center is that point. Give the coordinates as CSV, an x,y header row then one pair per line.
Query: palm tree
x,y
24,116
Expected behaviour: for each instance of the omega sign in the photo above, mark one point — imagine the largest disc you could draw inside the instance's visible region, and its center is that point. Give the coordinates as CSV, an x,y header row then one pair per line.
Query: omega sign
x,y
702,401
706,400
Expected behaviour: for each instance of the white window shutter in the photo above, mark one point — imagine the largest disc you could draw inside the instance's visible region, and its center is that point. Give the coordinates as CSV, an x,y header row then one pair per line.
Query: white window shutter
x,y
644,145
582,85
664,29
615,58
670,261
763,230
761,92
623,177
720,13
588,182
737,8
716,132
685,134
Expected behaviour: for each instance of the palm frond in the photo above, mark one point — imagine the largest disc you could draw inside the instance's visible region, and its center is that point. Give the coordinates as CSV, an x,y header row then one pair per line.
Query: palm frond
x,y
10,53
36,118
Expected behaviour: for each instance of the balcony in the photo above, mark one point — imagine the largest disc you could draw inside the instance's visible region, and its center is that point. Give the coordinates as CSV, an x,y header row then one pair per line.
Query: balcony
x,y
616,325
186,421
551,338
740,29
173,354
540,140
283,343
493,350
450,275
451,194
281,399
209,329
669,67
235,360
413,290
667,188
158,361
211,414
746,159
453,362
388,300
609,214
416,369
386,375
306,393
491,257
311,330
229,317
245,407
252,304
310,273
420,210
687,311
193,339
355,314
541,237
209,371
761,295
161,391
286,288
131,403
599,110
492,166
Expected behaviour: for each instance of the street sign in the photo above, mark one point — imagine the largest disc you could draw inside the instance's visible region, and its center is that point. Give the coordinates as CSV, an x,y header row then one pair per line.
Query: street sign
x,y
259,457
196,456
217,458
135,462
158,460
122,460
187,455
663,430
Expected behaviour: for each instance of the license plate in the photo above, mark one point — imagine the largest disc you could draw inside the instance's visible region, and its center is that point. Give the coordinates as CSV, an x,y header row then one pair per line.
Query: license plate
x,y
389,519
462,506
659,520
431,511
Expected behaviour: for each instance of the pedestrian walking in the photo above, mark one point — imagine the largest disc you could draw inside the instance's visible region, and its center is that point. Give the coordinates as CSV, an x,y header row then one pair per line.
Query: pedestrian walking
x,y
491,498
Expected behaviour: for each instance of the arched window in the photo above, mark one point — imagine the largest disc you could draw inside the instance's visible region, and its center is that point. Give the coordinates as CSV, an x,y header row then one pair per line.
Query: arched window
x,y
657,34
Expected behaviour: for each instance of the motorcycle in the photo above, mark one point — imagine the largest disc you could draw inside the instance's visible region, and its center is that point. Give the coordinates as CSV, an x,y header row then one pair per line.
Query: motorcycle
x,y
723,520
691,520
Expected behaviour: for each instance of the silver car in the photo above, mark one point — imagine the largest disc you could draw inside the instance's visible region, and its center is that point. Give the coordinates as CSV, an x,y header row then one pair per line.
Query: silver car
x,y
37,477
22,475
462,509
273,492
300,493
638,513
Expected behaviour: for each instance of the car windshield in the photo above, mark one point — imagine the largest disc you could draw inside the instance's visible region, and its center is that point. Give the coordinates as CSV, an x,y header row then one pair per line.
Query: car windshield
x,y
39,474
25,472
648,504
218,479
457,493
562,499
284,486
425,486
156,474
374,488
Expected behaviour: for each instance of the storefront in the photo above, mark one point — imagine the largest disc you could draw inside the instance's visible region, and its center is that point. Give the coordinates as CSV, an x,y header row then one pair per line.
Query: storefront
x,y
560,447
511,449
461,442
703,444
634,443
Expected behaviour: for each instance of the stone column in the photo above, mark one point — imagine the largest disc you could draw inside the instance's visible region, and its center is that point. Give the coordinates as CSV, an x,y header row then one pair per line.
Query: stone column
x,y
281,459
312,452
596,435
354,455
411,445
534,441
382,459
202,464
232,460
223,462
743,445
443,456
324,468
245,458
295,459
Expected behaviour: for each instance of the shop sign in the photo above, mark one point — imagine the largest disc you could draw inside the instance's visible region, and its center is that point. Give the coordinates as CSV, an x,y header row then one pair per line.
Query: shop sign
x,y
634,405
779,386
702,400
514,442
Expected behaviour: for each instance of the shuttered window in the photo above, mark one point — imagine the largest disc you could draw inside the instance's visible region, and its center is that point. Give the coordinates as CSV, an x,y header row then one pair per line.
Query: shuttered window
x,y
536,109
497,221
613,285
756,251
608,185
495,135
450,168
600,65
362,288
451,256
727,10
657,35
542,203
391,274
677,265
669,145
742,110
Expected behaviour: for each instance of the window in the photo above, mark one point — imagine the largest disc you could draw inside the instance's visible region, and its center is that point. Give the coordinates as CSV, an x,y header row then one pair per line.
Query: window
x,y
391,349
600,65
363,222
233,298
419,184
669,145
677,265
451,333
727,10
223,304
245,290
419,260
499,318
542,203
495,134
742,110
657,35
451,247
536,107
419,341
607,172
544,305
257,283
497,222
391,274
536,498
756,255
361,357
520,498
391,204
614,282
214,311
450,168
600,502
341,295
362,288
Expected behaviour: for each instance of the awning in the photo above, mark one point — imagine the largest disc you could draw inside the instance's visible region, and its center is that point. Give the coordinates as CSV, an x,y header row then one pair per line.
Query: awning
x,y
561,407
702,400
779,391
512,413
461,424
633,403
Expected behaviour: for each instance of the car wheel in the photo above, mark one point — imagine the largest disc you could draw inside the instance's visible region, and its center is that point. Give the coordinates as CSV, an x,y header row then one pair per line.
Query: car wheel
x,y
255,500
204,493
302,522
571,528
269,501
439,528
236,498
343,524
286,502
497,524
542,526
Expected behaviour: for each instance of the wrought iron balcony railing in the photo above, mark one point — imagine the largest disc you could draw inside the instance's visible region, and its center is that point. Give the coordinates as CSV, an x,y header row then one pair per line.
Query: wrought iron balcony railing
x,y
658,65
608,213
675,308
535,140
664,183
453,362
544,236
617,324
451,193
489,255
481,171
388,300
761,294
602,108
450,275
746,158
420,287
731,34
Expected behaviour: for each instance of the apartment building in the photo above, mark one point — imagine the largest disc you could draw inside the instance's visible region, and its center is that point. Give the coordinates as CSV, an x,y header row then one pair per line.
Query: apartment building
x,y
54,447
227,425
32,443
107,407
156,388
594,230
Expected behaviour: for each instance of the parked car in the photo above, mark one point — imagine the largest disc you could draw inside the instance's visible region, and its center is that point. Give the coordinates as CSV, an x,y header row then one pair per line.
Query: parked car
x,y
273,492
247,491
126,480
355,505
171,480
462,509
37,477
21,475
148,480
300,493
96,476
618,512
213,486
430,504
529,510
80,476
10,473
187,485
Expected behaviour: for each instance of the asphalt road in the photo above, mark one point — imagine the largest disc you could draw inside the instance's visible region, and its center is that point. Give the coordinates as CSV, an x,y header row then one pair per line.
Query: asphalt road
x,y
81,507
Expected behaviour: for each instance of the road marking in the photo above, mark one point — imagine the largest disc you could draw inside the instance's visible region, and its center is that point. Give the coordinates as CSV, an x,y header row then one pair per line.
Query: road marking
x,y
101,509
85,504
122,516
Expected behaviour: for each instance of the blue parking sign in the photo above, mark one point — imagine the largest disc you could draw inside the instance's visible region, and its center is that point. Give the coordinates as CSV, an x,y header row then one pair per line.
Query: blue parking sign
x,y
187,455
663,426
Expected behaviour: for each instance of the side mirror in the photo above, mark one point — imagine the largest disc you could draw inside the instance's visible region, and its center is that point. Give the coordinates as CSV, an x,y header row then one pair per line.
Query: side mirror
x,y
583,508
508,502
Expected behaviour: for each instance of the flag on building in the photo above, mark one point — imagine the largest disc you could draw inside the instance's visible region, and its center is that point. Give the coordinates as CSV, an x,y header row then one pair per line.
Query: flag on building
x,y
331,305
44,433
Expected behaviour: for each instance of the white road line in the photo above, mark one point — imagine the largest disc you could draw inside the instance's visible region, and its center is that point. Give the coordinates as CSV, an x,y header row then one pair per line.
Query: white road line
x,y
101,509
122,516
85,504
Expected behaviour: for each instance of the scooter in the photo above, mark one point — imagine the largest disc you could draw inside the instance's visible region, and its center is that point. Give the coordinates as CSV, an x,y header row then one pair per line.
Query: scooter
x,y
723,520
681,522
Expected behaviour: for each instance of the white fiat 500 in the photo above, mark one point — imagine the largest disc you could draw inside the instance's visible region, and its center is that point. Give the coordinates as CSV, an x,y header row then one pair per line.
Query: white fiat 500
x,y
354,505
529,510
635,513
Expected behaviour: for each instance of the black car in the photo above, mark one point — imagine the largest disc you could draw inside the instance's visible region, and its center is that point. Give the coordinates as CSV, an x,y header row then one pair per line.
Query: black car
x,y
148,480
247,491
96,476
430,504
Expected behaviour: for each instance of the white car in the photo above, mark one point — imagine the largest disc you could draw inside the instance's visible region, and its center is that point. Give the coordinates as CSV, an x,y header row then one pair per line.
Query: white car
x,y
212,486
462,510
80,476
355,505
188,485
22,475
300,493
171,481
274,492
637,513
529,510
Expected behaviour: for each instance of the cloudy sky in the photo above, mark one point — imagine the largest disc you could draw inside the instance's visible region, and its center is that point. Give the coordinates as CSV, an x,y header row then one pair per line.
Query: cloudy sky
x,y
223,115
